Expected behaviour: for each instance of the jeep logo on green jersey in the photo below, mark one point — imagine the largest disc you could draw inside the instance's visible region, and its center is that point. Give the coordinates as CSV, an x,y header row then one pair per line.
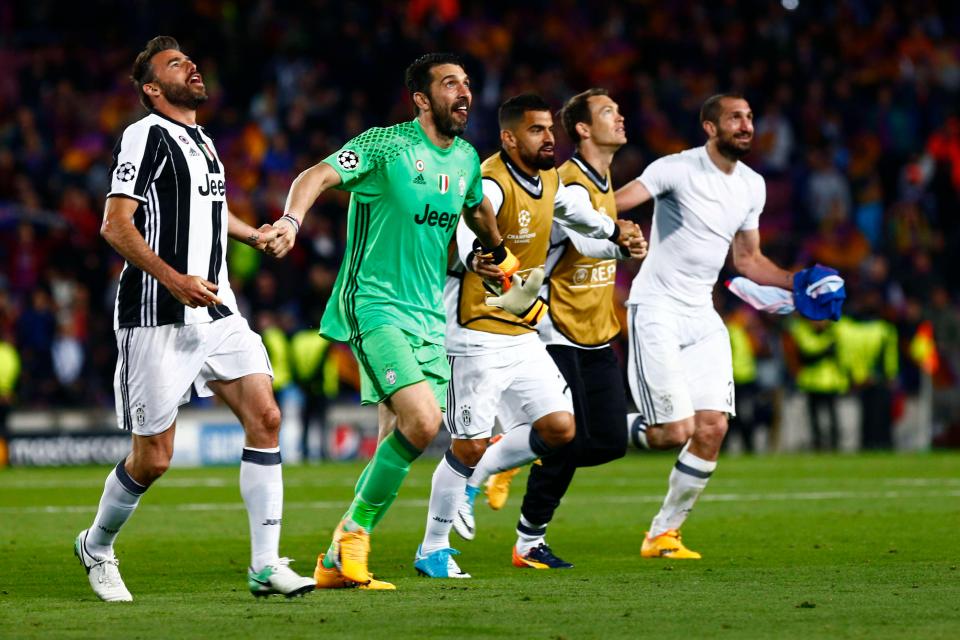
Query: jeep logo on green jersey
x,y
434,219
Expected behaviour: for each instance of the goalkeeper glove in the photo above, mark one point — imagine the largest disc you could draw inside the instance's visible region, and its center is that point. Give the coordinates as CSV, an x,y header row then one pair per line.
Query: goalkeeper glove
x,y
523,298
501,257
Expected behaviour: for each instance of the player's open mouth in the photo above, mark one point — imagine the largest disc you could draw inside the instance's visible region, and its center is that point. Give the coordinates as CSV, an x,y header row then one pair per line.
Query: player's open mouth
x,y
195,79
462,109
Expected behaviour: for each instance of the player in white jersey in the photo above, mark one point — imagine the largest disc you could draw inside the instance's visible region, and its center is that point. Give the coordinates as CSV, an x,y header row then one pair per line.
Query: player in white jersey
x,y
177,322
680,368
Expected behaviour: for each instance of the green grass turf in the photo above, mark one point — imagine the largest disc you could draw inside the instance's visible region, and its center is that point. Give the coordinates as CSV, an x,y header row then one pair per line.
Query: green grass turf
x,y
794,547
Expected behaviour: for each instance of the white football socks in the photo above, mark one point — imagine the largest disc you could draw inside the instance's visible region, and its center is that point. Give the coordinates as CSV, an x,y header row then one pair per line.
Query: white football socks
x,y
446,494
517,447
688,479
121,495
261,485
529,535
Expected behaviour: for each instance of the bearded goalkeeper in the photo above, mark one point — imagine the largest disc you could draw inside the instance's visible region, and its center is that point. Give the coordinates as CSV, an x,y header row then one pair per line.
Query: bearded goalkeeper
x,y
410,184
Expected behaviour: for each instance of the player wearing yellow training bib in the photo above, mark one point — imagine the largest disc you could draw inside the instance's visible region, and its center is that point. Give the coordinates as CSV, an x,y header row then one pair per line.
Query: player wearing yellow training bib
x,y
499,368
581,323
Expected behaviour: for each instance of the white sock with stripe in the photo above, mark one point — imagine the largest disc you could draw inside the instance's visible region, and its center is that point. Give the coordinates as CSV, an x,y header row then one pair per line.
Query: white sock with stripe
x,y
688,479
529,535
121,495
516,448
261,485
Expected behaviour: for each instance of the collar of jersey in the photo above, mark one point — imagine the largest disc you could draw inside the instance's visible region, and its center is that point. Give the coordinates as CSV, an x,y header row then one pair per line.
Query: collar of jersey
x,y
177,122
709,161
602,183
530,184
426,139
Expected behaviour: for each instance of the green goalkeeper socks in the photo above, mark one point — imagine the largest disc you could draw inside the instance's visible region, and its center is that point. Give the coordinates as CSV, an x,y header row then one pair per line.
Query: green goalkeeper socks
x,y
379,483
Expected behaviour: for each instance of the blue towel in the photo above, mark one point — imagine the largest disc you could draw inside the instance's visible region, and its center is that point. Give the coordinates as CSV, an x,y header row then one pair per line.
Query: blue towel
x,y
819,292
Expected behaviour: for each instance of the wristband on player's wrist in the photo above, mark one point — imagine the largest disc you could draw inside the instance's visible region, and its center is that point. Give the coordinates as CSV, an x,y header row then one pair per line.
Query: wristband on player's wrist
x,y
616,233
498,253
293,221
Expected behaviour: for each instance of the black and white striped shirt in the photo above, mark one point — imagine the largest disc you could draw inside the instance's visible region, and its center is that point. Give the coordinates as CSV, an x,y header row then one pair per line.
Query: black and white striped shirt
x,y
174,173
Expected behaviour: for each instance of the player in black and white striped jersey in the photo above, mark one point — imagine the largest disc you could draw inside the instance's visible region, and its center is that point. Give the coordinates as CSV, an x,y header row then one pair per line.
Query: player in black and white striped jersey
x,y
177,322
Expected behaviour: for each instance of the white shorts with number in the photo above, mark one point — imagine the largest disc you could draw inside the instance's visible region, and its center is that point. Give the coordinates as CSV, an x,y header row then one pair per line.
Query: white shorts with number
x,y
679,364
514,386
157,366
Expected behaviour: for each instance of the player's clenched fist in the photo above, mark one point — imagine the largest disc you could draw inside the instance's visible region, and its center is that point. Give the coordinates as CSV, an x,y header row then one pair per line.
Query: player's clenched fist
x,y
638,246
500,257
261,239
286,228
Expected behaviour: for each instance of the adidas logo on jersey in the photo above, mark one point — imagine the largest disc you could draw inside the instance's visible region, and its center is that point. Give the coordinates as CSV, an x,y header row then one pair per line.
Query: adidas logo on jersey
x,y
419,179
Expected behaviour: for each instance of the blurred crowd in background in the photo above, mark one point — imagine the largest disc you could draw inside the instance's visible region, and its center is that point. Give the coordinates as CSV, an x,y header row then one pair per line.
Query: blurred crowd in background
x,y
857,135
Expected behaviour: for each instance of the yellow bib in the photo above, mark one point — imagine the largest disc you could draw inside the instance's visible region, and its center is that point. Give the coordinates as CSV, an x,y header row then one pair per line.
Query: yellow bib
x,y
524,222
581,288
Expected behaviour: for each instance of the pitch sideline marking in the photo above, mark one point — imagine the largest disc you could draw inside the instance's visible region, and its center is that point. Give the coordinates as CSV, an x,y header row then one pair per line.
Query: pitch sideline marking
x,y
812,496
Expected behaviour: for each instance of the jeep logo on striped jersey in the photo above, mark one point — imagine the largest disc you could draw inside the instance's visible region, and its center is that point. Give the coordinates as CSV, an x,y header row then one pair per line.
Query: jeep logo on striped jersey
x,y
443,183
214,186
430,218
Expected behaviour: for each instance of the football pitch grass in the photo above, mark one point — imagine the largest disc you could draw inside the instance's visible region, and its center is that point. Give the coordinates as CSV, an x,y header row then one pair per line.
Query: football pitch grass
x,y
794,547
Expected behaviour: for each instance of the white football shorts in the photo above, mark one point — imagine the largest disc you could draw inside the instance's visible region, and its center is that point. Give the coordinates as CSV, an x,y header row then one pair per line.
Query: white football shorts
x,y
514,386
157,366
678,364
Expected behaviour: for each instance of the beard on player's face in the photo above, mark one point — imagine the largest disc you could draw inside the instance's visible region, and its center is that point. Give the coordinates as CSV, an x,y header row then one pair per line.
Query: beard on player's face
x,y
542,158
446,118
180,95
735,144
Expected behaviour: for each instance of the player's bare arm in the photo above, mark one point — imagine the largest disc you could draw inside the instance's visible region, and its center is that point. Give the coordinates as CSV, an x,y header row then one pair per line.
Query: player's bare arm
x,y
631,195
749,260
119,231
304,191
482,221
259,239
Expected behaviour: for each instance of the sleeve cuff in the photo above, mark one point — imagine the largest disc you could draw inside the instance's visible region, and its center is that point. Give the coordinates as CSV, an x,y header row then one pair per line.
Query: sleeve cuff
x,y
123,194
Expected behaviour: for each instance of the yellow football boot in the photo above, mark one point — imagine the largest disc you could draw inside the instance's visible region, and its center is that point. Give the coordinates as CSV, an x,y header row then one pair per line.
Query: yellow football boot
x,y
666,545
376,585
351,552
497,488
330,578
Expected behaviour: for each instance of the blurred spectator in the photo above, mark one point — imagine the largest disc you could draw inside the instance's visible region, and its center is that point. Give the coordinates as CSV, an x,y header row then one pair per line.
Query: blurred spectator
x,y
819,376
753,411
9,375
828,193
868,350
774,140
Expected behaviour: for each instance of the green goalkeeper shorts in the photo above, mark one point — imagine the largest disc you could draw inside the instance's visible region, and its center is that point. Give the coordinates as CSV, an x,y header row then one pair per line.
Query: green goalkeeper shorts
x,y
391,359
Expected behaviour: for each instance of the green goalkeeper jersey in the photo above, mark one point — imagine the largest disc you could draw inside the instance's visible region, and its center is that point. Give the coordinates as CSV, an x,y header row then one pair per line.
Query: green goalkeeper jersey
x,y
405,202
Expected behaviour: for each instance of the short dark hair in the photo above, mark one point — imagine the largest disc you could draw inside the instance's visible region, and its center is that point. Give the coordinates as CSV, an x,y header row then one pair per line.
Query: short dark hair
x,y
418,78
576,110
142,72
512,110
711,109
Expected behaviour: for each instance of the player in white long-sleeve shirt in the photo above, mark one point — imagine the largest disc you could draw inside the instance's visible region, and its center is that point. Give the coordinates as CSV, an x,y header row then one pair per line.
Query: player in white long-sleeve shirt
x,y
499,368
680,369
